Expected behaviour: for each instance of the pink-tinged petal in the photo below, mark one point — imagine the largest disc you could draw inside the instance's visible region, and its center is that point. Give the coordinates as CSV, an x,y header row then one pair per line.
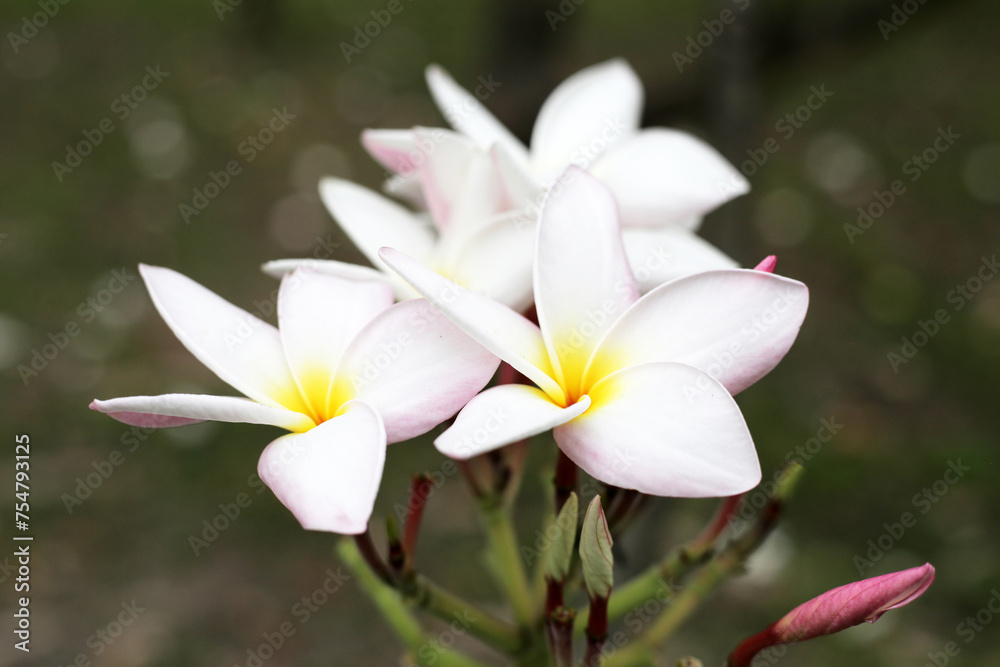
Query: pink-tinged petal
x,y
415,368
582,279
329,476
171,410
767,265
586,115
477,202
468,115
497,262
319,316
839,609
373,221
502,415
522,192
662,177
666,430
736,325
659,255
279,268
443,172
243,350
499,329
396,150
849,605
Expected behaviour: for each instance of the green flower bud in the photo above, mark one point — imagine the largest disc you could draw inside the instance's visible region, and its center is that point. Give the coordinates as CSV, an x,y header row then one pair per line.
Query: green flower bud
x,y
562,536
595,551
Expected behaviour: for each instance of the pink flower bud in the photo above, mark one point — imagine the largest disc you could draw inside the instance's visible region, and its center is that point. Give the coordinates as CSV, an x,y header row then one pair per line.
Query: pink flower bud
x,y
839,609
768,264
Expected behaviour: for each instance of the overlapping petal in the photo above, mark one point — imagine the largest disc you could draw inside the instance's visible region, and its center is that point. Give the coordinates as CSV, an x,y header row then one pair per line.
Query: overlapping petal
x,y
170,410
503,332
243,350
587,114
582,279
396,150
444,170
659,255
415,368
329,476
373,221
665,429
502,415
665,177
736,325
319,315
497,262
468,115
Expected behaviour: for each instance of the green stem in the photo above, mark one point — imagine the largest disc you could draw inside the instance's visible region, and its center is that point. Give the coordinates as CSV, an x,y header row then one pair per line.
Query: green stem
x,y
727,562
659,580
393,608
506,560
447,606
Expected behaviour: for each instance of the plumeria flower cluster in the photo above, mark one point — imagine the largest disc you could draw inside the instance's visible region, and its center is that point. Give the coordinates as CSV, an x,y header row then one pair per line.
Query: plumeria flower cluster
x,y
573,260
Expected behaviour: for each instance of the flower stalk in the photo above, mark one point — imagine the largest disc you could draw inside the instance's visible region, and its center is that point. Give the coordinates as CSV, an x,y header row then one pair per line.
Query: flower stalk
x,y
396,613
505,559
559,632
726,562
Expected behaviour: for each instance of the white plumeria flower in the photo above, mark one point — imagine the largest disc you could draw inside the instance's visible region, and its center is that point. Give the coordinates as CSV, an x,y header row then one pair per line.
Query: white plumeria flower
x,y
464,234
664,180
346,371
639,391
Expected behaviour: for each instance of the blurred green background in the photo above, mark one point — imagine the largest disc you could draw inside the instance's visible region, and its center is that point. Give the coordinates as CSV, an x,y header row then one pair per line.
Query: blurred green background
x,y
228,66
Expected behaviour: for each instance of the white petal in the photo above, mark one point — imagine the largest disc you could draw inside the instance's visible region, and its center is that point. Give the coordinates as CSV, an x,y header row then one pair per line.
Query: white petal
x,y
585,115
582,278
407,188
659,255
415,368
329,476
521,190
373,221
279,268
503,332
240,348
170,410
662,176
468,115
736,325
503,415
477,201
443,172
497,262
396,150
666,430
318,317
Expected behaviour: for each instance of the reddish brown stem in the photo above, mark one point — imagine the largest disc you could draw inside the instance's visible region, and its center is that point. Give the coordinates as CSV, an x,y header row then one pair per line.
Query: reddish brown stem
x,y
744,654
471,478
419,492
553,595
723,516
372,557
559,631
565,480
597,631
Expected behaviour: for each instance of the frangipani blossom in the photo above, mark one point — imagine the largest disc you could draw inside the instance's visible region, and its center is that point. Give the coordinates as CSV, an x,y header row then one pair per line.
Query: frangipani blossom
x,y
664,180
346,371
638,391
839,609
463,235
